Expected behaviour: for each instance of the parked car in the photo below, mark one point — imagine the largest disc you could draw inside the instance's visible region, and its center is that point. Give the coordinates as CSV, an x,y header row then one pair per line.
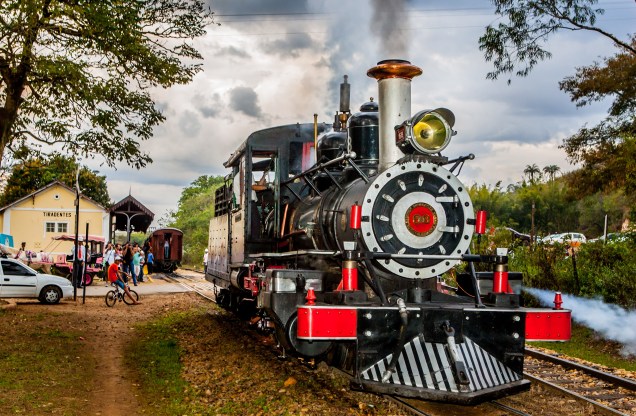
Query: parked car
x,y
571,239
551,239
613,237
516,235
17,280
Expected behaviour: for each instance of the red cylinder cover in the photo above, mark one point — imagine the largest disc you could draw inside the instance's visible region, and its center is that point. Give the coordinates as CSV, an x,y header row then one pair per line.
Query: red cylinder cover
x,y
500,282
349,278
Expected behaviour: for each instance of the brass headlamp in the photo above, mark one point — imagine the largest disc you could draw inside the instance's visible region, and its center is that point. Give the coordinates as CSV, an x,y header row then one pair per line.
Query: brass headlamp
x,y
427,132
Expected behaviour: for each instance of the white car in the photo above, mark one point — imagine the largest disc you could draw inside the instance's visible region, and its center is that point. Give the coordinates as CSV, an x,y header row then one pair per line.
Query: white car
x,y
552,238
17,280
572,239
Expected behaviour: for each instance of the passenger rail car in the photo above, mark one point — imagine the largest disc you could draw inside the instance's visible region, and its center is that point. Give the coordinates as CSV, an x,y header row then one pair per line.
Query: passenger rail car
x,y
336,236
167,247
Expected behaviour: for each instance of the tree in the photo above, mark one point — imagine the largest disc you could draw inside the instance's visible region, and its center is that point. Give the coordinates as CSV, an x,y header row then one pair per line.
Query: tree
x,y
76,74
515,45
551,171
34,173
531,171
607,151
193,215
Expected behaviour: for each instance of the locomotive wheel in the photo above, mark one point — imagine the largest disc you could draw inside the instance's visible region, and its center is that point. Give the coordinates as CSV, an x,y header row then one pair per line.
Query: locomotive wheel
x,y
223,298
290,341
339,356
245,308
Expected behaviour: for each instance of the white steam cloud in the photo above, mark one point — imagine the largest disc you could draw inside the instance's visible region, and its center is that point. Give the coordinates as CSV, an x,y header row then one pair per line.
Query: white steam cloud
x,y
612,321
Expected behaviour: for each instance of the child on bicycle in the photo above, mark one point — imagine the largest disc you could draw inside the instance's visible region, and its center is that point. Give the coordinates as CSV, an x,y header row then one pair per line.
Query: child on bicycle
x,y
116,276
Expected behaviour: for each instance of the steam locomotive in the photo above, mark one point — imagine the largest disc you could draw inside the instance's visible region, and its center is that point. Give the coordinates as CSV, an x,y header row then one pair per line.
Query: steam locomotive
x,y
336,236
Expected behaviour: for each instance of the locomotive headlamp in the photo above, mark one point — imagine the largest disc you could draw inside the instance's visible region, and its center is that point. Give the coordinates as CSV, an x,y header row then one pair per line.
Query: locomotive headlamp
x,y
428,131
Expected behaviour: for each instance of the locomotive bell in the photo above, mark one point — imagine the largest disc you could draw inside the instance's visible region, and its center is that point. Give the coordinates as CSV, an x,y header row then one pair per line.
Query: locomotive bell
x,y
427,132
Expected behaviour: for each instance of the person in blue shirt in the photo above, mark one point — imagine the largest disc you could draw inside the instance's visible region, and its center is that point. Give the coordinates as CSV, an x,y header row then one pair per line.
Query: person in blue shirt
x,y
150,260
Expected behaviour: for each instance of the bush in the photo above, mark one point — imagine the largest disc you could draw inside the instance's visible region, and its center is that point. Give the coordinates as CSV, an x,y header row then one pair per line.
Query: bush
x,y
597,270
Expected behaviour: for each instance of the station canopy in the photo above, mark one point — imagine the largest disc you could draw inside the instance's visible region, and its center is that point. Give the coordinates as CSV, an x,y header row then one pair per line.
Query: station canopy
x,y
129,209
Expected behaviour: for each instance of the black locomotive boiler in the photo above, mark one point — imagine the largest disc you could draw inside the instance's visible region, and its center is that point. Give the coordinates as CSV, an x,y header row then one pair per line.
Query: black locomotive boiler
x,y
336,237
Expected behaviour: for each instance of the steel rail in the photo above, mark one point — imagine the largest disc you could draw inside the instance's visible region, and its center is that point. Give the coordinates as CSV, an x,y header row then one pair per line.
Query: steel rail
x,y
571,365
509,409
191,287
598,406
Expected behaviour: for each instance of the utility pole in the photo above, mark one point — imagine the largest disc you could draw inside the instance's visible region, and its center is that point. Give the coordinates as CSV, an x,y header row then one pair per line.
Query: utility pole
x,y
532,236
76,271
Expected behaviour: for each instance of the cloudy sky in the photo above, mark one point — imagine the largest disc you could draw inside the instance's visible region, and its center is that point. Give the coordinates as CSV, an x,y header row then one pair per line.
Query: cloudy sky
x,y
274,62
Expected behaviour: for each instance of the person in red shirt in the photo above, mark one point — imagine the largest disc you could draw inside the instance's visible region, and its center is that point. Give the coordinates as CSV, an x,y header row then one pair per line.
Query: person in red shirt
x,y
115,276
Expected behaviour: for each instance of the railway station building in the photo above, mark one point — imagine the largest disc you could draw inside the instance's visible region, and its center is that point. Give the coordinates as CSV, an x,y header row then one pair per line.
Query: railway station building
x,y
49,212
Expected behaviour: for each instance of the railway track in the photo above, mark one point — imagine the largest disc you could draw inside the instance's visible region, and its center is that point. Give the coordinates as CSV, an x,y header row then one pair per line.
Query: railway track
x,y
606,392
603,392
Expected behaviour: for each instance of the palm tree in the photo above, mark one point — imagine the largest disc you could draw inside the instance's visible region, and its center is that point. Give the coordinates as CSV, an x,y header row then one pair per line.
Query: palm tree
x,y
531,171
551,171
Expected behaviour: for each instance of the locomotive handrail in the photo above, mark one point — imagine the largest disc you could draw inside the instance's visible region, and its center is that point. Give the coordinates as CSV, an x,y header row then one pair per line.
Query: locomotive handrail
x,y
346,156
415,256
299,253
465,257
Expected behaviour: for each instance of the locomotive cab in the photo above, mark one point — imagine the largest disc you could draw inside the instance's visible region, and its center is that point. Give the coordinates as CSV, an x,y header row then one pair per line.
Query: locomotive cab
x,y
250,205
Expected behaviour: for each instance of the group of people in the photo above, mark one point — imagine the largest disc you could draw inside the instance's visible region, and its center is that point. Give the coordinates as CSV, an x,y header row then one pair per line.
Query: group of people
x,y
127,261
132,259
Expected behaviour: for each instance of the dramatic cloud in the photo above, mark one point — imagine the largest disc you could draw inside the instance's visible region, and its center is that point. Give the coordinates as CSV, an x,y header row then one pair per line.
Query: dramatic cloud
x,y
189,123
274,62
245,100
209,106
233,51
289,46
263,7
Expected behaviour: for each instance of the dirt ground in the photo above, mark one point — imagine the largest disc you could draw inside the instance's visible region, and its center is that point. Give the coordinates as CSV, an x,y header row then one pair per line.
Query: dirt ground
x,y
225,368
103,332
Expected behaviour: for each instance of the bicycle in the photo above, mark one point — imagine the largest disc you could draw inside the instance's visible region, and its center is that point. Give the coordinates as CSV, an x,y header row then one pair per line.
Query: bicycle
x,y
119,295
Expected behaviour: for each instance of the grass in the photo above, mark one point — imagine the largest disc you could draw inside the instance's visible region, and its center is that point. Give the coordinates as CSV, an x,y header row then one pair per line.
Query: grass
x,y
41,363
588,345
155,356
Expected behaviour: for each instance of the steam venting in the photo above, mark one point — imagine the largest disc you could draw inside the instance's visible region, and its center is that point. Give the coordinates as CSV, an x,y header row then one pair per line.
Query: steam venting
x,y
611,321
386,24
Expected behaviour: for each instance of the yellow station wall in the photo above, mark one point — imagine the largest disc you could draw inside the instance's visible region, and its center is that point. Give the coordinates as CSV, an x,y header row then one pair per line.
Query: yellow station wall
x,y
27,220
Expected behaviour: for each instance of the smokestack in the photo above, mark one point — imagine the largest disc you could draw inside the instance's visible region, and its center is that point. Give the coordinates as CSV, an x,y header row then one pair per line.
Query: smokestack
x,y
394,99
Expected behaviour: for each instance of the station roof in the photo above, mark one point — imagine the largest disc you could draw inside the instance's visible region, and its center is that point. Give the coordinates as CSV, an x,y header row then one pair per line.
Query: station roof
x,y
140,216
